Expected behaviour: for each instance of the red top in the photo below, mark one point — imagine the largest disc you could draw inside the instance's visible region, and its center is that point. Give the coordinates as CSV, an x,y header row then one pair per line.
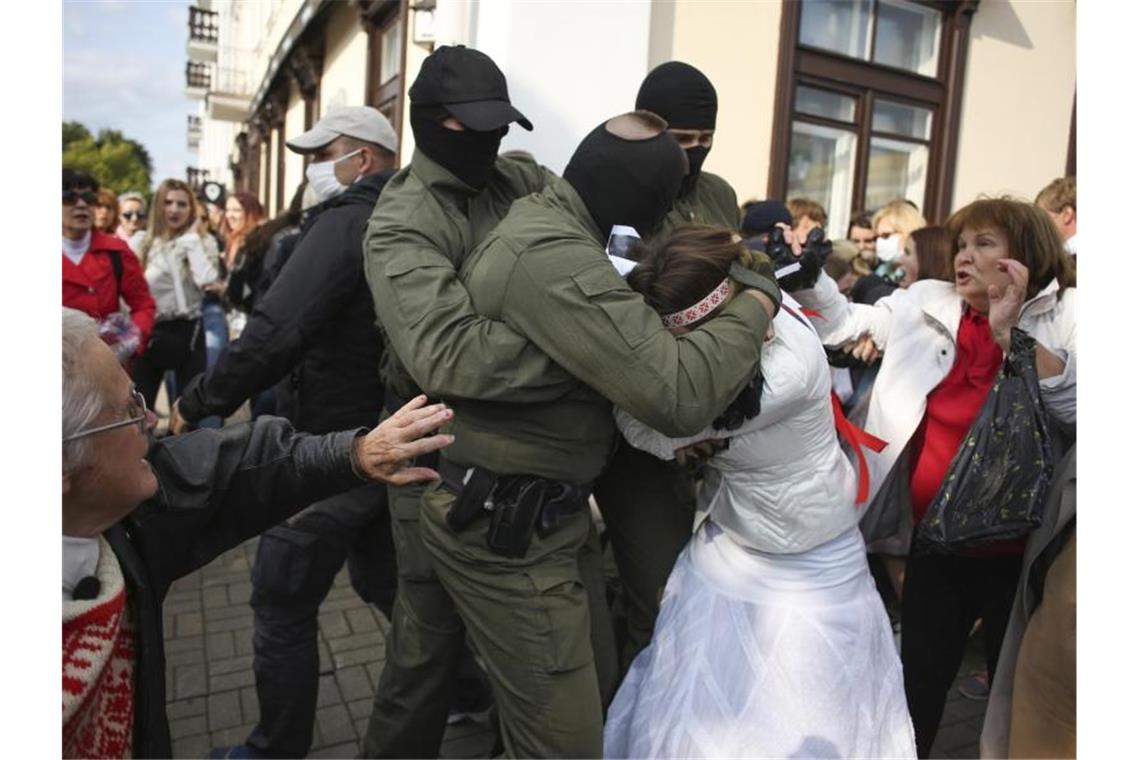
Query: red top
x,y
90,286
950,411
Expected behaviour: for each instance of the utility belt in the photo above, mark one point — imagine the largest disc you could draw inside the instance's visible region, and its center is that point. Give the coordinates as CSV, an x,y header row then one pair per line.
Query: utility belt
x,y
518,505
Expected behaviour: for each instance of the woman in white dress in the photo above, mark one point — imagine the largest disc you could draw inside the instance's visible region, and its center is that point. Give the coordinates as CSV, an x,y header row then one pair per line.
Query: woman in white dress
x,y
771,640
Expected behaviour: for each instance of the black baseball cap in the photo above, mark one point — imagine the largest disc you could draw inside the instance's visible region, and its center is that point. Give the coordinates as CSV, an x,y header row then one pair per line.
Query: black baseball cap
x,y
469,86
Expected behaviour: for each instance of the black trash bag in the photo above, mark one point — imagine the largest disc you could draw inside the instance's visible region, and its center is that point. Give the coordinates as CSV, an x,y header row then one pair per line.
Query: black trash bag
x,y
996,486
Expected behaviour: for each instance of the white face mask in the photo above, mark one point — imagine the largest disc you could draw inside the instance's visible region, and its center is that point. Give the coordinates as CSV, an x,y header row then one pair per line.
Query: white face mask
x,y
322,177
888,249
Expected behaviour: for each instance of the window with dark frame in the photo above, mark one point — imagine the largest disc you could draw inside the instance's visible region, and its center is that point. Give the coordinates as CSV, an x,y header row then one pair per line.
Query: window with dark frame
x,y
383,23
867,100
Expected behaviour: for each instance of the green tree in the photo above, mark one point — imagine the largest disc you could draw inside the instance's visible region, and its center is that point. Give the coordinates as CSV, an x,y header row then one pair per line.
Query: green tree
x,y
118,162
72,131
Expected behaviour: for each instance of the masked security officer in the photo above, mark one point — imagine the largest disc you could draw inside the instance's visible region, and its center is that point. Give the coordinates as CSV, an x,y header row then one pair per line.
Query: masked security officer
x,y
636,484
505,525
431,216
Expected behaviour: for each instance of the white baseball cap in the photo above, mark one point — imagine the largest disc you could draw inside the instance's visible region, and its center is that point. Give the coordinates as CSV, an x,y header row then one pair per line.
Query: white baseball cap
x,y
359,122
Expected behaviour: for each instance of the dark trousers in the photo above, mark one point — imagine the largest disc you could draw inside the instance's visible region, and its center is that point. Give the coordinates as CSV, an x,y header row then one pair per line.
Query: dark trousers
x,y
942,597
648,506
177,345
296,564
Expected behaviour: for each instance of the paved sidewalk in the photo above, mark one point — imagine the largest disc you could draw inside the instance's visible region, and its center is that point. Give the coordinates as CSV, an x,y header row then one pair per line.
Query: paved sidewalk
x,y
209,668
210,695
211,699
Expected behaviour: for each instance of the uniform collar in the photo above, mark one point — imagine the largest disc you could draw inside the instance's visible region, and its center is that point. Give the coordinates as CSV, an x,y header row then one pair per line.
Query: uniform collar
x,y
562,194
438,179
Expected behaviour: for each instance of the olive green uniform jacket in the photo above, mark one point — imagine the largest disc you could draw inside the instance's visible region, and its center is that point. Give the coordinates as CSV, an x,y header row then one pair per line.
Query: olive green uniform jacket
x,y
423,226
713,201
543,273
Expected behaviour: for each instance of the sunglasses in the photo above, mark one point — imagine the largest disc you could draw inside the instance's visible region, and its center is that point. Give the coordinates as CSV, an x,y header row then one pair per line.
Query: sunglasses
x,y
71,196
132,215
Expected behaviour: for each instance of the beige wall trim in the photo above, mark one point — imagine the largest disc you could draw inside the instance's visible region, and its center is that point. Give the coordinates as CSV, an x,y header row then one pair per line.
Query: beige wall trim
x,y
1017,105
308,11
662,16
707,34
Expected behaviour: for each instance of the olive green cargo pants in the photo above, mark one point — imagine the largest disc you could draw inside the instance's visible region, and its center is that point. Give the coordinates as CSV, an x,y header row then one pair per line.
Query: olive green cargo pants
x,y
648,506
547,644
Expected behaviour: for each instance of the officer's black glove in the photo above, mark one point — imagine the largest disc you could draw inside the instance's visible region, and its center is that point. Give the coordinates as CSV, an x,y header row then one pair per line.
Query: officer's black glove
x,y
815,250
840,359
744,407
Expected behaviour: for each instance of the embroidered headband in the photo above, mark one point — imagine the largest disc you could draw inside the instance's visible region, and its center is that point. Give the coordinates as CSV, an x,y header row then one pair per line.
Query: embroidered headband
x,y
701,309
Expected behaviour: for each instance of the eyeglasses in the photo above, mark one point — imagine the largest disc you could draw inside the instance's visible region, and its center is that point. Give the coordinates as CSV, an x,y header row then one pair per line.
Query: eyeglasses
x,y
71,196
137,411
132,215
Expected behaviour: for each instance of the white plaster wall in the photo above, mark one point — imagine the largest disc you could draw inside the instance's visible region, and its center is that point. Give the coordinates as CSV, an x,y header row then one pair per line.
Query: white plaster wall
x,y
1018,98
269,200
294,125
344,79
569,66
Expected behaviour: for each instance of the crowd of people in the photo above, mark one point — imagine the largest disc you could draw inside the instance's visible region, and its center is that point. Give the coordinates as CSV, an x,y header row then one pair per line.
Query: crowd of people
x,y
752,419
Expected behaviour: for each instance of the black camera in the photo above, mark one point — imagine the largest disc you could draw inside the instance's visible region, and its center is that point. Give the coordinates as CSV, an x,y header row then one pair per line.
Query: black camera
x,y
815,250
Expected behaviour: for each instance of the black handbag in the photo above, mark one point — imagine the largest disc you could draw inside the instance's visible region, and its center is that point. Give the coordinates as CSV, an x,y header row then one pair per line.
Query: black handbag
x,y
996,485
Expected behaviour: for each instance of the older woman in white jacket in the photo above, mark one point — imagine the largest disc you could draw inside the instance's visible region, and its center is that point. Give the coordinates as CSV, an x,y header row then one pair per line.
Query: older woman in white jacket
x,y
178,263
771,640
943,345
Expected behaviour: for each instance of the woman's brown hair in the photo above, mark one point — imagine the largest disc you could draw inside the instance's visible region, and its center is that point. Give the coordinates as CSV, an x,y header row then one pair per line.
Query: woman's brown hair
x,y
108,200
681,267
1033,238
934,249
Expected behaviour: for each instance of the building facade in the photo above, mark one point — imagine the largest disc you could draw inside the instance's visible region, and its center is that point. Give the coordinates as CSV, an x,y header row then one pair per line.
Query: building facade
x,y
851,103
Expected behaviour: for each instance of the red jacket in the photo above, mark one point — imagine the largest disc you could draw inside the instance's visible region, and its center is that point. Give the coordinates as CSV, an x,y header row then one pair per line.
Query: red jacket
x,y
90,286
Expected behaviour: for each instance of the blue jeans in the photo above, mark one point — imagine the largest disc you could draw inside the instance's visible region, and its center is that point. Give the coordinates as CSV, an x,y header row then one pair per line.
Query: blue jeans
x,y
217,338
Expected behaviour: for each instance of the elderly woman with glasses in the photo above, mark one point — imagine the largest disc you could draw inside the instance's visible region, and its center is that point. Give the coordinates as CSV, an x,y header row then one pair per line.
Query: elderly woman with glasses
x,y
138,514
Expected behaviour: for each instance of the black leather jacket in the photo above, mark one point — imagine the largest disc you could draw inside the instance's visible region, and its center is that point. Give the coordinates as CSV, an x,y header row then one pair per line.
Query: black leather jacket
x,y
216,489
317,320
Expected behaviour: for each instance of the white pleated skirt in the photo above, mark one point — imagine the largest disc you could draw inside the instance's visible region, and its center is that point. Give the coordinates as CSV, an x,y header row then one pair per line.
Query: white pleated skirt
x,y
765,655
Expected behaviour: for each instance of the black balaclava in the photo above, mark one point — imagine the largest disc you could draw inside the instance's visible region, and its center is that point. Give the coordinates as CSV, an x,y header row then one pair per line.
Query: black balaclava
x,y
685,98
626,181
469,155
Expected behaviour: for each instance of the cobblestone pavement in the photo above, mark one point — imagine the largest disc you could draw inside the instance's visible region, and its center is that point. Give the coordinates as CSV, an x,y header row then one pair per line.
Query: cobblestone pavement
x,y
211,699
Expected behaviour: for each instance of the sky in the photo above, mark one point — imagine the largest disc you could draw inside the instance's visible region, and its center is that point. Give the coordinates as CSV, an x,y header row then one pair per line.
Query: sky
x,y
124,64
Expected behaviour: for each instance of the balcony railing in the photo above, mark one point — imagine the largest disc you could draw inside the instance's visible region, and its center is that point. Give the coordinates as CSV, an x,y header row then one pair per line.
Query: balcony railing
x,y
202,42
193,131
203,25
197,76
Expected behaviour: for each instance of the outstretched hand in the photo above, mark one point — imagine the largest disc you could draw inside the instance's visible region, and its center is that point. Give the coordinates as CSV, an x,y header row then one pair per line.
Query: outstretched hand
x,y
386,453
865,350
178,423
1005,304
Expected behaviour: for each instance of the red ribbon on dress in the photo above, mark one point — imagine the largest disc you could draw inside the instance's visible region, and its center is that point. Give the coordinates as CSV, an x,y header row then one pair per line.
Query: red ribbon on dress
x,y
856,438
812,313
